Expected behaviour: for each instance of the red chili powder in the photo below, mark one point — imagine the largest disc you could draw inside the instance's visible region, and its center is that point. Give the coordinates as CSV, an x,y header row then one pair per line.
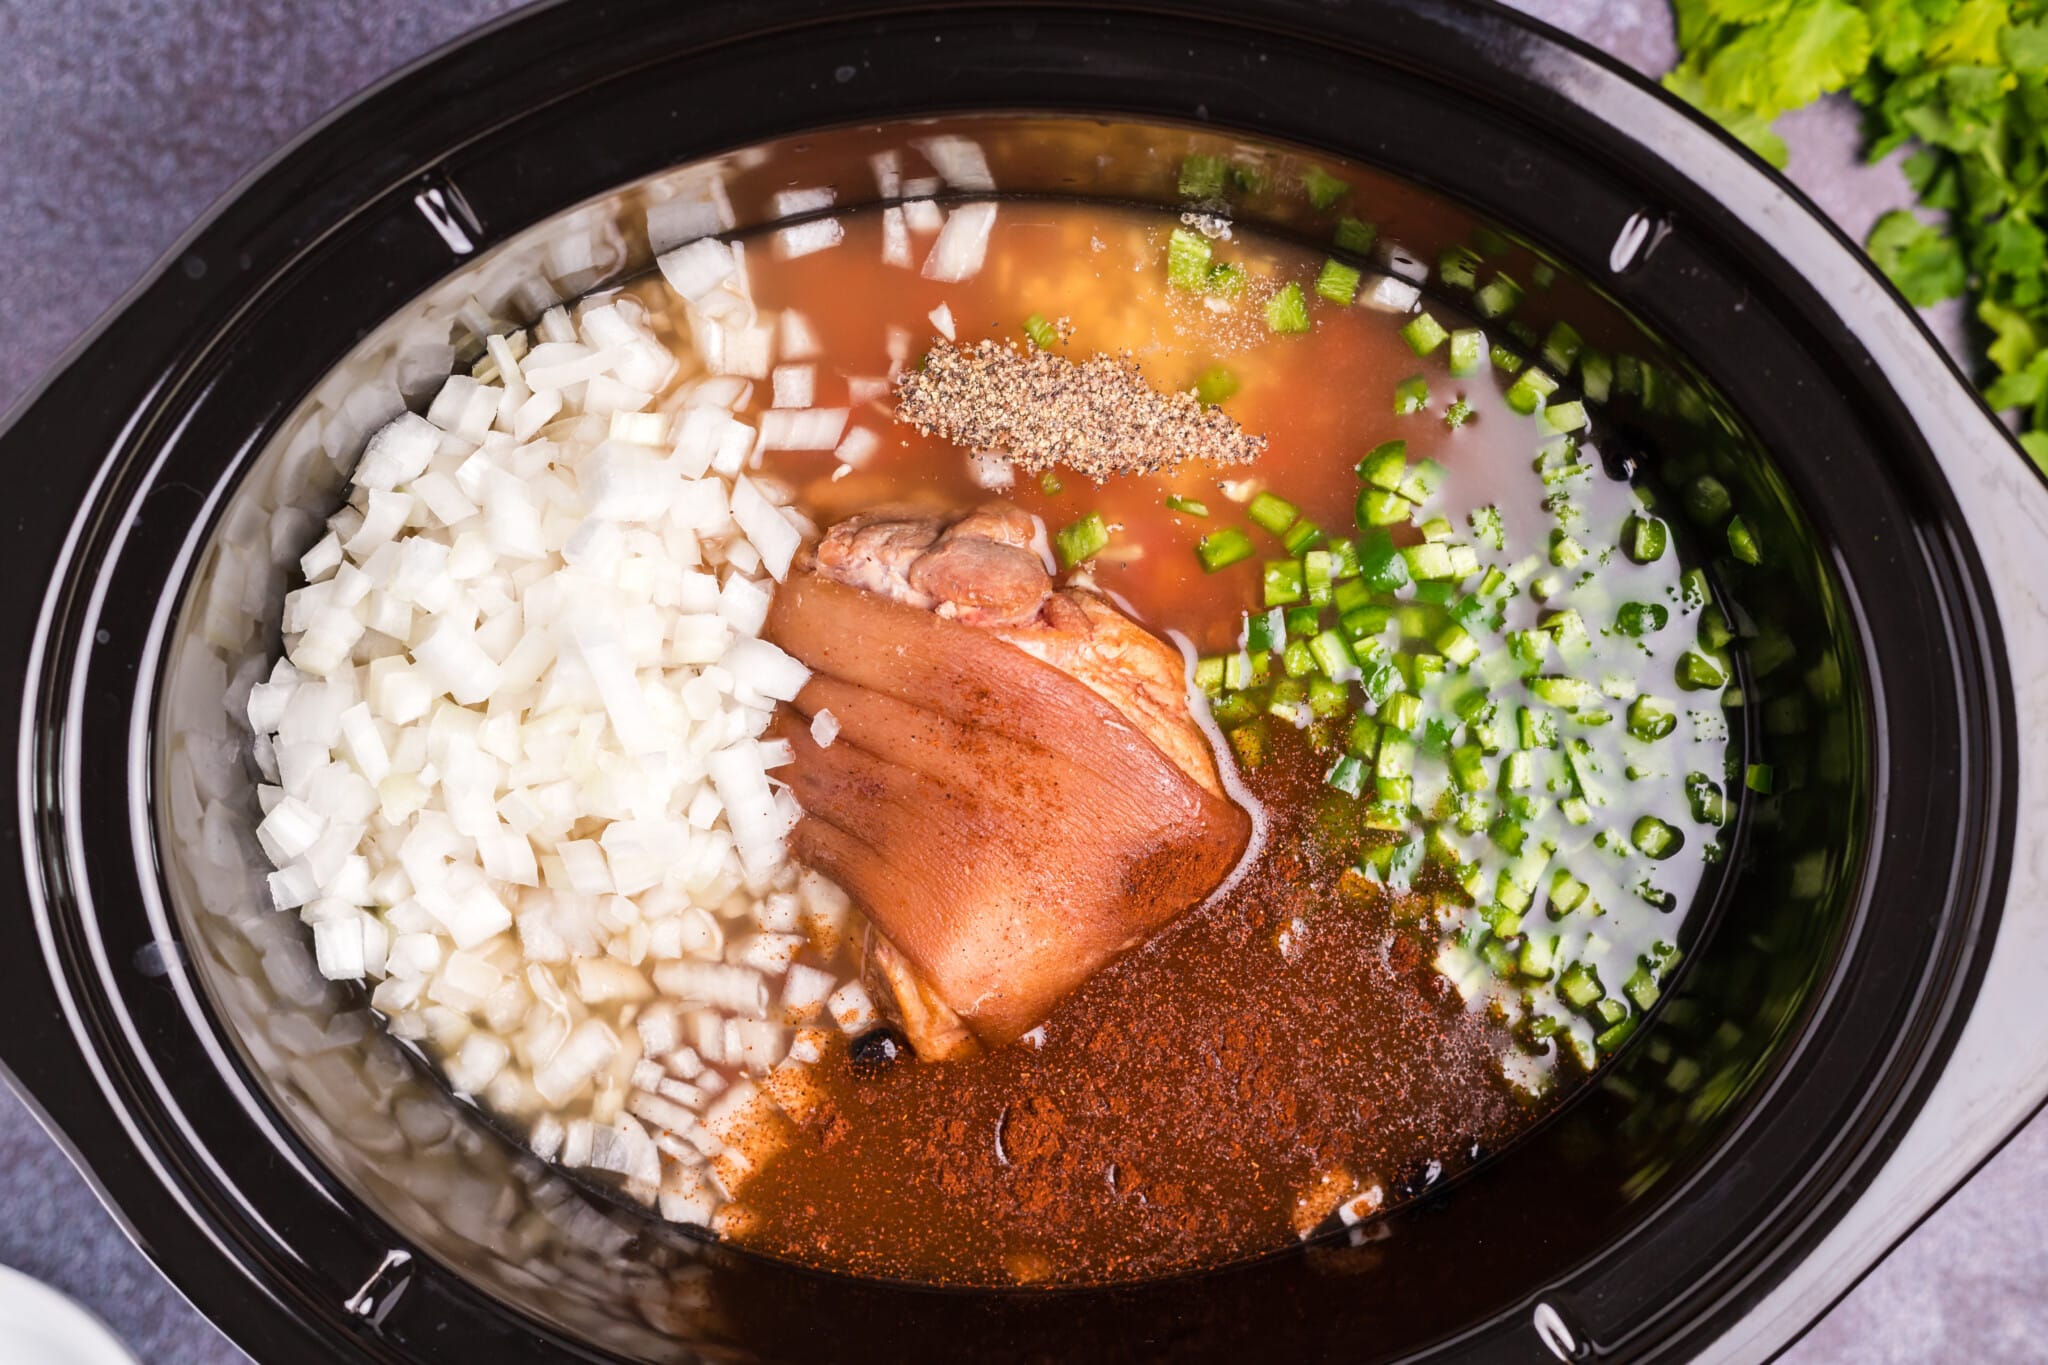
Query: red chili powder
x,y
1195,1103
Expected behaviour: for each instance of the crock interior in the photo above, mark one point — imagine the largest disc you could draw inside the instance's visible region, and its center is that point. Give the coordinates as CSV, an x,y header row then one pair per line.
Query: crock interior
x,y
399,1150
301,1181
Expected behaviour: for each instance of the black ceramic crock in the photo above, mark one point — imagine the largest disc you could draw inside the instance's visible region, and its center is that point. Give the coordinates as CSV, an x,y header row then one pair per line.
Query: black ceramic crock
x,y
1860,1009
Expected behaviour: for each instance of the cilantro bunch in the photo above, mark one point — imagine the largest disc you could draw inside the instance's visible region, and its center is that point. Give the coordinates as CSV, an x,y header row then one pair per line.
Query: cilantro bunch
x,y
1967,80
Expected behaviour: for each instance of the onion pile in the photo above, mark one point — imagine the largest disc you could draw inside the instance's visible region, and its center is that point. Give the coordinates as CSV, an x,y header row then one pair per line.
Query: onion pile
x,y
516,779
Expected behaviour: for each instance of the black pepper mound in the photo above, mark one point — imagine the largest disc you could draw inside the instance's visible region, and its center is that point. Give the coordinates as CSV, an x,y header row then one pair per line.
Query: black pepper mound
x,y
1097,416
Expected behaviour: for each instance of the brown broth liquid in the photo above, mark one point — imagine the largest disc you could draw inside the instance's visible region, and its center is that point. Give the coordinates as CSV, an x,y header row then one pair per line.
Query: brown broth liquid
x,y
1218,1090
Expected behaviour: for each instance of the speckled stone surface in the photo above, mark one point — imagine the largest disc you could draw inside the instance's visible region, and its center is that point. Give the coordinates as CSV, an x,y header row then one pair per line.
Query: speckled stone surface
x,y
120,120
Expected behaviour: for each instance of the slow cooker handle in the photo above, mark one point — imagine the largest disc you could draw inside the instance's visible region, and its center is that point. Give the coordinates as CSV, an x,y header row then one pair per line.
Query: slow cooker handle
x,y
1998,1074
1997,1077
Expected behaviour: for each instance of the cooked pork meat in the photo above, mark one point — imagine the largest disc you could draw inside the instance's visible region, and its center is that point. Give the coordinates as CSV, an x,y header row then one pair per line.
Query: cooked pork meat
x,y
982,568
1017,793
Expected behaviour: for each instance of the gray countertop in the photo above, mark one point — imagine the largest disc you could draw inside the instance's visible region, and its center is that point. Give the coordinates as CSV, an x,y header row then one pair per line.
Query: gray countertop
x,y
122,119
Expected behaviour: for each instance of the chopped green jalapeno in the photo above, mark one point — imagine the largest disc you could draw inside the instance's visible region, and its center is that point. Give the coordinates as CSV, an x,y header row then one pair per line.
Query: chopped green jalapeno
x,y
1403,711
1703,794
1707,500
1655,839
1249,744
1422,481
1356,236
1201,177
1498,297
1640,618
1347,775
1468,352
1411,396
1644,538
1428,560
1220,549
1561,347
1531,387
1424,334
1380,566
1287,310
1284,582
1081,540
1563,417
1487,526
1385,465
1188,257
1301,536
1651,718
1692,589
1215,385
1327,697
1338,282
1273,513
1699,672
1343,558
1324,189
1458,267
1505,726
1265,631
1580,986
1742,542
1380,507
1566,693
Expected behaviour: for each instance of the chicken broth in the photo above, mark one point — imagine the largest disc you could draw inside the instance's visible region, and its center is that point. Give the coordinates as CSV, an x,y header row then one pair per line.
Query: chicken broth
x,y
1333,1033
951,865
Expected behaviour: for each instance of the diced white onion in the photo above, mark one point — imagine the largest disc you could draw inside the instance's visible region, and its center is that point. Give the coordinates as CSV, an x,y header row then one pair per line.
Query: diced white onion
x,y
888,168
963,243
802,239
796,340
794,385
802,428
517,773
765,526
695,270
858,446
1390,294
959,160
895,238
851,1007
789,203
991,470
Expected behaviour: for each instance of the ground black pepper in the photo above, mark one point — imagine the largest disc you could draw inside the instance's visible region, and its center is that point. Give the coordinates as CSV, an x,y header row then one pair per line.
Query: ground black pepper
x,y
1096,416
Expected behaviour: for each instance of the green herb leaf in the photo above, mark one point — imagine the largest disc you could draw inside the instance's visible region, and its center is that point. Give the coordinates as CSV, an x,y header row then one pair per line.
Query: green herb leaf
x,y
1926,264
1965,79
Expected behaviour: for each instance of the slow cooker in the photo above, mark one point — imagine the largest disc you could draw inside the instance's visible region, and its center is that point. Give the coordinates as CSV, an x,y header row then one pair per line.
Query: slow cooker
x,y
1859,1013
